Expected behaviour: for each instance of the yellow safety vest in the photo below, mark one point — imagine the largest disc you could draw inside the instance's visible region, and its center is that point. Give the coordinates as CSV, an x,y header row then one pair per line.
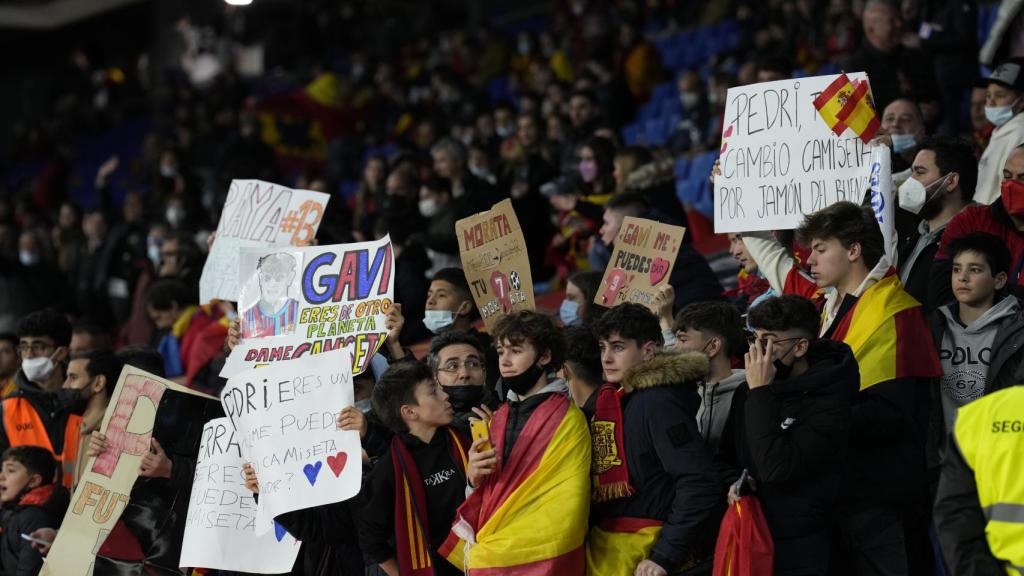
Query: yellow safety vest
x,y
990,435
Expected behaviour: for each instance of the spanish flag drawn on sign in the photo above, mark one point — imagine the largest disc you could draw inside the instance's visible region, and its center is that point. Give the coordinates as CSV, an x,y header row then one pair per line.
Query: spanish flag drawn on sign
x,y
847,104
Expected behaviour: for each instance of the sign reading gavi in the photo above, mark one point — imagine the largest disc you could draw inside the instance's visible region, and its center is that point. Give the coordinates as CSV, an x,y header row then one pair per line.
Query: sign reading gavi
x,y
779,159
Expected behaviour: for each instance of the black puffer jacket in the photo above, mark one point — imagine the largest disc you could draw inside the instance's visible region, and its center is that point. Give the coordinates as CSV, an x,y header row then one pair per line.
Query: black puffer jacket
x,y
42,507
792,436
669,464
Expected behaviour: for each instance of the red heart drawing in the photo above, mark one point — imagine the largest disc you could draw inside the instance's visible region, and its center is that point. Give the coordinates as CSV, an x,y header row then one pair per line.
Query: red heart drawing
x,y
722,149
728,132
659,269
337,463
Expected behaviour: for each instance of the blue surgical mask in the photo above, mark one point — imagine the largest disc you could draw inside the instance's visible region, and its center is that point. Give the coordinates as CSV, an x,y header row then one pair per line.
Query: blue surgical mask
x,y
568,312
903,142
438,320
998,115
28,258
364,405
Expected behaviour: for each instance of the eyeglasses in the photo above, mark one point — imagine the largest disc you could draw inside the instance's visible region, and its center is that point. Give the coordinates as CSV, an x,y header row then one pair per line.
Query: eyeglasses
x,y
36,348
764,340
454,366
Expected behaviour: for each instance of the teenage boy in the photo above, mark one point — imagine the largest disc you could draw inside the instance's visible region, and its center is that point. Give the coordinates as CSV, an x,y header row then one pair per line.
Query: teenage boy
x,y
792,428
91,377
657,498
29,500
459,364
868,309
528,510
980,336
715,330
415,488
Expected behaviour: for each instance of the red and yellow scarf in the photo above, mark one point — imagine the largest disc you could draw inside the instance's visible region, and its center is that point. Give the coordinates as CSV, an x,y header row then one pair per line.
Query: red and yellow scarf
x,y
608,468
412,538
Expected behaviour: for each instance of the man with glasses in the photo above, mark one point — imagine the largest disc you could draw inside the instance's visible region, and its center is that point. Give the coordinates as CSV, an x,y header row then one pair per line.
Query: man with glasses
x,y
459,364
34,413
792,428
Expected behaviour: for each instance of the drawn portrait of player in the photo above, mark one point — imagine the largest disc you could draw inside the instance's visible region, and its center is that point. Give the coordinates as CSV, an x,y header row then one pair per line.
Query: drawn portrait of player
x,y
275,313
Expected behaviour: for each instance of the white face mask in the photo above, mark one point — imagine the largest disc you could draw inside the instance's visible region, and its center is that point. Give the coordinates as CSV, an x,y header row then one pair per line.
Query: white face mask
x,y
153,251
903,142
28,258
428,207
998,115
437,320
175,215
914,195
37,369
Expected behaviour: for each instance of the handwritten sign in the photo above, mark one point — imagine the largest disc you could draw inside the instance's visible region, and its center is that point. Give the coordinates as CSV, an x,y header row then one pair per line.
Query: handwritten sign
x,y
299,301
495,261
220,531
645,253
882,201
285,419
779,159
257,214
104,489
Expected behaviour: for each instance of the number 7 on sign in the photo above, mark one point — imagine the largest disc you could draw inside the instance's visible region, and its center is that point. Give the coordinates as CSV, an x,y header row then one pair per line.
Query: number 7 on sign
x,y
499,283
302,222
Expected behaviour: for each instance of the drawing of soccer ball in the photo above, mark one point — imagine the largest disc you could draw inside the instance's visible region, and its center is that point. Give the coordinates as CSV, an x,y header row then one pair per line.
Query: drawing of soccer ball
x,y
513,279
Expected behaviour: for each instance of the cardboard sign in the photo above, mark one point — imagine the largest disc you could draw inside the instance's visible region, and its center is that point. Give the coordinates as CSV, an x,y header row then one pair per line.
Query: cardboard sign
x,y
257,214
779,159
220,531
645,253
285,419
495,261
299,301
103,491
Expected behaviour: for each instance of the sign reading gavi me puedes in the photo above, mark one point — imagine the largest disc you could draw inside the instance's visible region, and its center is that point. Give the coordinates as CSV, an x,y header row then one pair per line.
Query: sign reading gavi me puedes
x,y
495,261
299,301
645,253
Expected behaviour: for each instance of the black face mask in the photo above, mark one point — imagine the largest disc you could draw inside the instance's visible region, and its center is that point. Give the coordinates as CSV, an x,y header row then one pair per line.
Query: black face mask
x,y
521,383
74,400
782,370
464,398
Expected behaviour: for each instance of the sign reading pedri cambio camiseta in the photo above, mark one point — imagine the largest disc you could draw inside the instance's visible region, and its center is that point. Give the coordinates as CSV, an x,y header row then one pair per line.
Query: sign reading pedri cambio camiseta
x,y
495,261
220,531
300,301
779,159
103,491
284,416
257,214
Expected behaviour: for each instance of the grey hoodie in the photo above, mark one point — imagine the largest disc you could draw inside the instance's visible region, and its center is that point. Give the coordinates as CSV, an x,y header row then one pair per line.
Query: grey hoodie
x,y
966,352
715,402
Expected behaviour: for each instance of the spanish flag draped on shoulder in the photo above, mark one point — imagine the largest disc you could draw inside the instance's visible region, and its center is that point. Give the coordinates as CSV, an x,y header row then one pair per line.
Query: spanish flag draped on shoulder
x,y
885,327
847,104
530,515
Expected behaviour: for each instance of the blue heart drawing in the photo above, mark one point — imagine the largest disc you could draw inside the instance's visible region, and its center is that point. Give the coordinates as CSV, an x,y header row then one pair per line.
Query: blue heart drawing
x,y
311,471
279,531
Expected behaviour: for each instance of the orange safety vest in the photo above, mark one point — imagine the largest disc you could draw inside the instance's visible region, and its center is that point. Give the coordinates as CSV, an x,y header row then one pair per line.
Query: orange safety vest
x,y
24,427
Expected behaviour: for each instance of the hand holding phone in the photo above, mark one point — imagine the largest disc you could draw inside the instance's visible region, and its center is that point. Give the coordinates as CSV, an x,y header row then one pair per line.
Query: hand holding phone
x,y
480,429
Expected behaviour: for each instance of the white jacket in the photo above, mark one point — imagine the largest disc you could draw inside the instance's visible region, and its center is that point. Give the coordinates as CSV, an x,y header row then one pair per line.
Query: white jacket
x,y
990,168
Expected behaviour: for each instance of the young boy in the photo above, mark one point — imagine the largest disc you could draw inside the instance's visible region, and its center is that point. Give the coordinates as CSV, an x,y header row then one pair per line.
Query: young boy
x,y
30,500
414,490
528,510
980,336
657,498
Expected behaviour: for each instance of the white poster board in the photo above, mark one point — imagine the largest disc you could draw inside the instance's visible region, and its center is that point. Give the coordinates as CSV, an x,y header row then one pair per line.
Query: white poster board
x,y
220,531
780,160
257,213
300,301
285,415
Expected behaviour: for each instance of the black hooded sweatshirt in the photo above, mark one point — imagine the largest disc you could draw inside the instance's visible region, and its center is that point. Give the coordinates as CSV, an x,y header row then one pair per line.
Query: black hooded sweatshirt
x,y
41,507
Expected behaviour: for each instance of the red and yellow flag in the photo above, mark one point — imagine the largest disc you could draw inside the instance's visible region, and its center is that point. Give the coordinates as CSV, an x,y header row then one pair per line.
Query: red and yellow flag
x,y
888,335
530,516
845,104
